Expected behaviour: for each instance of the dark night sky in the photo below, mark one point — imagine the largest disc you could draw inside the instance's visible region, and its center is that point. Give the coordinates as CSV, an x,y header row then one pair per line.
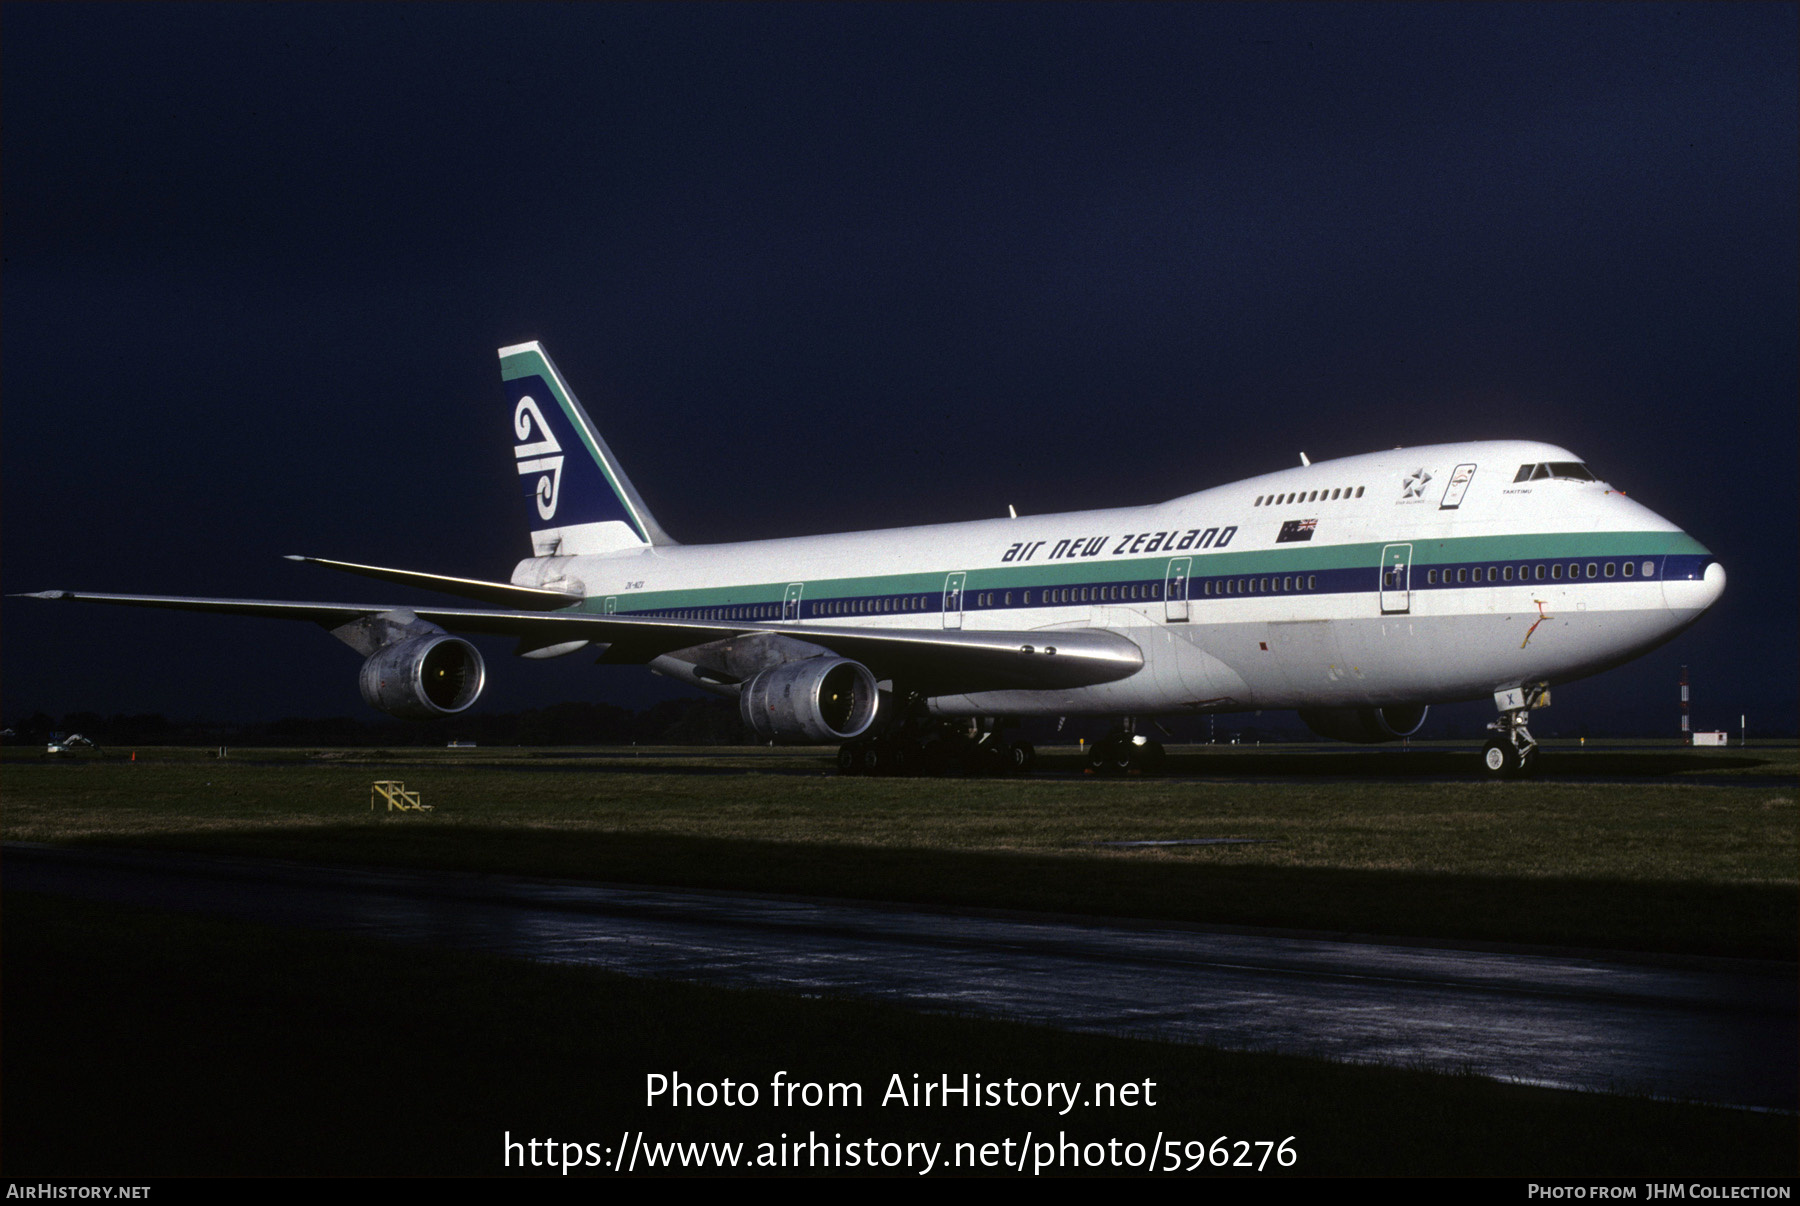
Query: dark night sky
x,y
821,268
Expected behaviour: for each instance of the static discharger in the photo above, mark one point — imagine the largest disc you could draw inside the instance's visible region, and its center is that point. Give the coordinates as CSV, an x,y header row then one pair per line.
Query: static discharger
x,y
397,797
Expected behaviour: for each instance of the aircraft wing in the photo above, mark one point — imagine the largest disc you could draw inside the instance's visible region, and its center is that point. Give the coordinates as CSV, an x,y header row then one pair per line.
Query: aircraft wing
x,y
932,661
954,662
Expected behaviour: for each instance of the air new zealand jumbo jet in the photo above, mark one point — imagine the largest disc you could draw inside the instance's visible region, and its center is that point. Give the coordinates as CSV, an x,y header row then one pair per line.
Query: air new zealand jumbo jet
x,y
1356,591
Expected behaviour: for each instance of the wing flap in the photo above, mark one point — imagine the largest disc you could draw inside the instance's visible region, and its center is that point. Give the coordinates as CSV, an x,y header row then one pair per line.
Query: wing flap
x,y
943,662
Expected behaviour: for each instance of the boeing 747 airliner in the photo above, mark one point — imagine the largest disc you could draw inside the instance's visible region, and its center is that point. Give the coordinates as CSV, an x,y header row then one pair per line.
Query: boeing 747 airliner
x,y
1357,591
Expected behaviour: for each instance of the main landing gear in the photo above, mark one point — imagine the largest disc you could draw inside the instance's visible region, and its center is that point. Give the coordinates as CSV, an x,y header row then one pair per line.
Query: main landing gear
x,y
941,748
1512,752
1125,753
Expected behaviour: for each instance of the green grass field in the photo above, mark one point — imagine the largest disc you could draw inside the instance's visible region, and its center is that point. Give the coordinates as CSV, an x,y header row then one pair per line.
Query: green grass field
x,y
1656,865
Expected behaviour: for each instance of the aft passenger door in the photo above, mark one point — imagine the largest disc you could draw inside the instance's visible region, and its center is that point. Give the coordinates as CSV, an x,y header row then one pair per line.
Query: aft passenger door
x,y
1396,579
790,601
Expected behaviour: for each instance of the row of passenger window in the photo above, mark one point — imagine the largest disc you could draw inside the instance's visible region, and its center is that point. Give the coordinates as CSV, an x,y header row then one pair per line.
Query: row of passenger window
x,y
1300,496
748,611
1554,571
1260,586
1142,592
1123,592
896,604
878,606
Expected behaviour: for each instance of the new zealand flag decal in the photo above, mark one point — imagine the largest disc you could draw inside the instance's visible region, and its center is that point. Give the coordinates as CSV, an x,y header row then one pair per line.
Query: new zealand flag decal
x,y
1296,529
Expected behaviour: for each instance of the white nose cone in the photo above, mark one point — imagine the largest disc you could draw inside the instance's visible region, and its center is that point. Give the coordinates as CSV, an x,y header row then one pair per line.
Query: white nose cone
x,y
1691,596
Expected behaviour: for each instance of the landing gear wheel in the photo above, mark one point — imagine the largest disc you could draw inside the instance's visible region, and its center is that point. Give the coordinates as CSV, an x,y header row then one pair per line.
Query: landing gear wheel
x,y
1499,759
1528,763
944,757
903,757
985,758
1111,755
876,758
850,758
1022,756
1148,757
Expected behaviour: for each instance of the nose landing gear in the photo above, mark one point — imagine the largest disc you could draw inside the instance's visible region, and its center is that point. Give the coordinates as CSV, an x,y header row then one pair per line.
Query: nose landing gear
x,y
1512,752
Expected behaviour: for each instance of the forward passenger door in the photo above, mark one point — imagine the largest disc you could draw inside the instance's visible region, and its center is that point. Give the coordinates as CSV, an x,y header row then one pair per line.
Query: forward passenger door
x,y
1396,579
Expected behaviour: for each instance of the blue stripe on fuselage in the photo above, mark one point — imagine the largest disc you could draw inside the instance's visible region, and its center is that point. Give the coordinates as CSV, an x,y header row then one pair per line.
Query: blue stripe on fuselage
x,y
1202,589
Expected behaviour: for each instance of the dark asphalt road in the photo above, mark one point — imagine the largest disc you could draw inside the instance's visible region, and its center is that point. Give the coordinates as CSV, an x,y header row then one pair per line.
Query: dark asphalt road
x,y
1713,1031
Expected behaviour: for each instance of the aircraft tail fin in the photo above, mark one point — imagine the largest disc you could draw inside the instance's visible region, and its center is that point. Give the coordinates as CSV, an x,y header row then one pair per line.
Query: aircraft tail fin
x,y
578,498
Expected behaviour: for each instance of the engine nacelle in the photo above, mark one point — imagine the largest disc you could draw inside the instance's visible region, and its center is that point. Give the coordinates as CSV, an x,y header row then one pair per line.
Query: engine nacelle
x,y
1366,725
424,678
819,699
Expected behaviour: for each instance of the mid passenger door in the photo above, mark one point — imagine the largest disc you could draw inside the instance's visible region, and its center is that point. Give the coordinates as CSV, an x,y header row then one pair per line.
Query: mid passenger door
x,y
953,601
790,601
1396,579
1175,590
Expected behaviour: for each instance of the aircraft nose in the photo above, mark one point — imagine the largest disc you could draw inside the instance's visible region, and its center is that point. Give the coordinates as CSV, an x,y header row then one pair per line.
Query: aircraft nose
x,y
1691,596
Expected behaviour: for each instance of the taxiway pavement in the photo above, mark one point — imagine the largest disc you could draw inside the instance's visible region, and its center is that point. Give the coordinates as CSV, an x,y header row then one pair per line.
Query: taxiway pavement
x,y
1705,1030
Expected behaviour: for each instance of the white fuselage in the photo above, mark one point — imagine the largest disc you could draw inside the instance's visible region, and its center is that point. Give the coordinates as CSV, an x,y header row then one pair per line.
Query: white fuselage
x,y
1413,576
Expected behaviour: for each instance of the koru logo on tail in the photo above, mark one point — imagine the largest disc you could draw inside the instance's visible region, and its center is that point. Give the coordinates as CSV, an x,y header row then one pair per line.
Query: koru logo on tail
x,y
542,456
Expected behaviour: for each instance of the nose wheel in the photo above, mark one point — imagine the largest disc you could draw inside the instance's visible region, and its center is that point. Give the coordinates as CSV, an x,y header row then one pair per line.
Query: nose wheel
x,y
1511,753
1501,760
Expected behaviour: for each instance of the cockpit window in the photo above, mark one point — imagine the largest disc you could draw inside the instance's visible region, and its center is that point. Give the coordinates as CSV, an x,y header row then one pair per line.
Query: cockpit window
x,y
1572,470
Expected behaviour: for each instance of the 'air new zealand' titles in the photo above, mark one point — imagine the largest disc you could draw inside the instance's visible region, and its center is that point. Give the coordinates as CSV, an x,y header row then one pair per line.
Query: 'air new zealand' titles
x,y
1357,591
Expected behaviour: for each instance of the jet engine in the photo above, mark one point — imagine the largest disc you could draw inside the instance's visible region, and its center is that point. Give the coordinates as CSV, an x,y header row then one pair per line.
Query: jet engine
x,y
818,699
1366,725
424,678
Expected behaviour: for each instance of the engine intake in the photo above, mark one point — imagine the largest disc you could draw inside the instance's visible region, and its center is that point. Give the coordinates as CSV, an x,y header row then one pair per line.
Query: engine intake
x,y
819,699
424,678
1366,725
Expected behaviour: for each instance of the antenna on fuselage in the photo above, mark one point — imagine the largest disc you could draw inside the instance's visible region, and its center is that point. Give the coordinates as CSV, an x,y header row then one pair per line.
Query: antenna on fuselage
x,y
1304,461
